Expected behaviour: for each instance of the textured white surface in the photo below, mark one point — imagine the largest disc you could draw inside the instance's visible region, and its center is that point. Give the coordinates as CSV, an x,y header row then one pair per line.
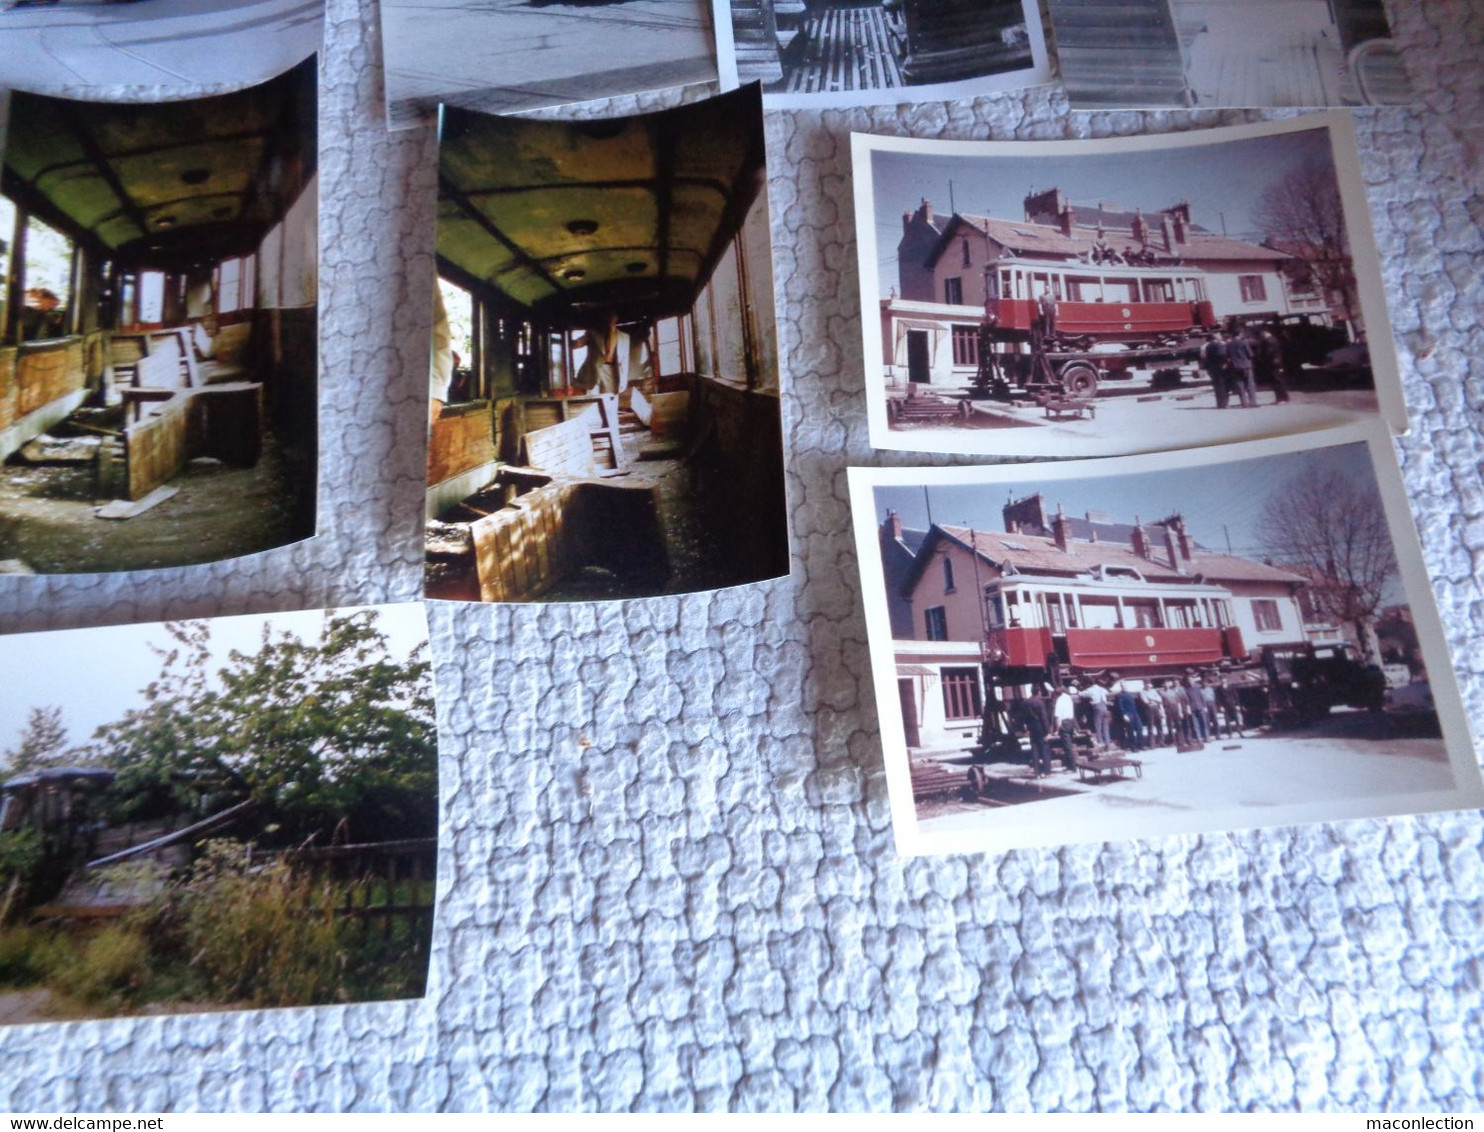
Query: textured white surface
x,y
667,879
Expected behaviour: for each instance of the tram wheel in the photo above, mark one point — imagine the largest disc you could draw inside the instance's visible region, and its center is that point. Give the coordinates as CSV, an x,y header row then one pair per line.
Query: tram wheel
x,y
1079,379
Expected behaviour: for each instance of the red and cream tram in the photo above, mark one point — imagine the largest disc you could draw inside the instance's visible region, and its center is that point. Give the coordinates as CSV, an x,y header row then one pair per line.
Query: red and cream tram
x,y
1106,302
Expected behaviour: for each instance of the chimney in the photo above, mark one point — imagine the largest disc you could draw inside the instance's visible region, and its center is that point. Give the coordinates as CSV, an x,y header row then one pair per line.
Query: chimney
x,y
906,223
1139,228
1167,230
1180,223
892,528
1141,543
1059,532
1177,524
1175,559
926,210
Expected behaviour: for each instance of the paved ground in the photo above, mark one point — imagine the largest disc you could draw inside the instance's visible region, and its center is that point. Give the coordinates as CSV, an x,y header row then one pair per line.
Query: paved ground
x,y
1179,418
217,43
1352,755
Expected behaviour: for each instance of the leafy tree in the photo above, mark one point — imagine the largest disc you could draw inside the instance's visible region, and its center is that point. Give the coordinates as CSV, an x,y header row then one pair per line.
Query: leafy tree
x,y
43,743
331,738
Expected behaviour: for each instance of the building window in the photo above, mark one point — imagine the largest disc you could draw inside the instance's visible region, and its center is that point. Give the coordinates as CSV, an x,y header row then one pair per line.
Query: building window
x,y
1253,289
967,260
1265,614
966,345
948,575
953,291
961,693
935,621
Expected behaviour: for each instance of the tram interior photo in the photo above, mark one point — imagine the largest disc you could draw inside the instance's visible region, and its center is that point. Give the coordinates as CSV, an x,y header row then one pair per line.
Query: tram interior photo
x,y
159,361
605,417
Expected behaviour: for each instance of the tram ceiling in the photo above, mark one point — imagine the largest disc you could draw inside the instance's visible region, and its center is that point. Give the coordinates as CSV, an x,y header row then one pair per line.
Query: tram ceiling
x,y
627,216
168,185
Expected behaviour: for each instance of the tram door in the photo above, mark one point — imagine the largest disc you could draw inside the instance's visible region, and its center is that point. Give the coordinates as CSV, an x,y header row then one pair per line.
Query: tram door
x,y
909,713
919,367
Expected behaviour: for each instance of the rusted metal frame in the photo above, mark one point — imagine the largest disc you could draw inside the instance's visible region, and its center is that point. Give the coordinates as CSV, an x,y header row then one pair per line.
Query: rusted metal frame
x,y
447,190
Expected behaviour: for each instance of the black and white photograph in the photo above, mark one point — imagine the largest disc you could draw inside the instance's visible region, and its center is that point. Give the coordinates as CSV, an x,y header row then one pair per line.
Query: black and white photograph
x,y
1110,297
503,56
64,46
1206,53
1155,645
605,416
159,329
837,53
227,814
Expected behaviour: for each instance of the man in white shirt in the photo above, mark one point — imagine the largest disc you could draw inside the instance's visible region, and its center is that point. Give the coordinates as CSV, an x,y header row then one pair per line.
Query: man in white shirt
x,y
1097,697
1064,712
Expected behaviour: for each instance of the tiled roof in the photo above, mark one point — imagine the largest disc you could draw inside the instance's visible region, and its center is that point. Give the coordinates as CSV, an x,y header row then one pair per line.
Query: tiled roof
x,y
1024,237
1037,554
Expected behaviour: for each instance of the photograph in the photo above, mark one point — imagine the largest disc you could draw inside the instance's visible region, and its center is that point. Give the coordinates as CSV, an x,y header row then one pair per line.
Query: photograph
x,y
1102,298
504,56
1134,647
59,46
227,814
159,329
839,53
605,418
1203,53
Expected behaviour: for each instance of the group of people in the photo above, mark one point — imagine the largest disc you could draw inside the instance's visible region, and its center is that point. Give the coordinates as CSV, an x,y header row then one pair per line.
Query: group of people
x,y
1237,362
1145,713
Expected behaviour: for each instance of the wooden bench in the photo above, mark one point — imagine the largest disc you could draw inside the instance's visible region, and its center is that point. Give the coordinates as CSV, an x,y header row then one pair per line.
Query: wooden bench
x,y
1106,764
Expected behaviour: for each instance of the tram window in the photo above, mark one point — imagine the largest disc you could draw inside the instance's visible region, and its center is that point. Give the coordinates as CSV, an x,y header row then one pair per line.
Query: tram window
x,y
151,296
1100,613
1084,289
668,331
46,282
7,227
1121,290
995,610
1159,291
1144,612
1180,614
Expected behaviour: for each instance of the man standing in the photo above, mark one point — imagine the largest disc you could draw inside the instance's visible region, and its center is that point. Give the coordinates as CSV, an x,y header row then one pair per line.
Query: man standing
x,y
1097,698
1195,698
1128,711
1047,306
1269,363
1064,712
1213,361
1037,719
1239,362
1177,713
1154,709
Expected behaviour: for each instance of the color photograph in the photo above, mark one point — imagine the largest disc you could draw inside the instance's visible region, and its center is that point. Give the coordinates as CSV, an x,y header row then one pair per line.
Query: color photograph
x,y
837,53
159,329
605,418
56,46
1154,645
1110,297
230,814
502,56
1206,53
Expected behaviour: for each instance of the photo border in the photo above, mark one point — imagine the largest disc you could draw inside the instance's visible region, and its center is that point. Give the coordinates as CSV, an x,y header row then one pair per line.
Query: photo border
x,y
1022,830
1365,256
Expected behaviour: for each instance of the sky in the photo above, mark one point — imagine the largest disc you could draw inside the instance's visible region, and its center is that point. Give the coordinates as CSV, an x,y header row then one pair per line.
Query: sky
x,y
97,675
1222,182
1219,502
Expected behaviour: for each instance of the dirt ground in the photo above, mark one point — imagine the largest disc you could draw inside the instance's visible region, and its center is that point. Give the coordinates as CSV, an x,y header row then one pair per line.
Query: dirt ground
x,y
48,522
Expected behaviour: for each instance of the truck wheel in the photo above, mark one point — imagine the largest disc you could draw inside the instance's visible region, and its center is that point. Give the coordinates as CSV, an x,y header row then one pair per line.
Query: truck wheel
x,y
1079,379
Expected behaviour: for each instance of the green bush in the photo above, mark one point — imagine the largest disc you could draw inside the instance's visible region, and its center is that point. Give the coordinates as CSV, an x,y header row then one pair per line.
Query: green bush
x,y
259,933
111,969
28,955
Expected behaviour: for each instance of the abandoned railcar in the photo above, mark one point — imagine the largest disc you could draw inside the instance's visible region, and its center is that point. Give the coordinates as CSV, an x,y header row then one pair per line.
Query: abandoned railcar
x,y
605,416
159,318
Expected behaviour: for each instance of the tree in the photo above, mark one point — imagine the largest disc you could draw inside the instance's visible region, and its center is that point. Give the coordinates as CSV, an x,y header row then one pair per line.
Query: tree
x,y
1302,214
1333,529
330,738
43,743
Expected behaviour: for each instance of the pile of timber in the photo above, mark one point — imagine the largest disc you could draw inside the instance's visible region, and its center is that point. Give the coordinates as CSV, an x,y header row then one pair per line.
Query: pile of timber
x,y
931,779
